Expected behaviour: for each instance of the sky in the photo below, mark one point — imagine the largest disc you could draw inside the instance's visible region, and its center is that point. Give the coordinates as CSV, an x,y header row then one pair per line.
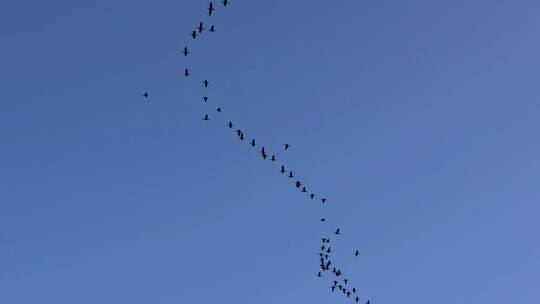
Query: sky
x,y
418,120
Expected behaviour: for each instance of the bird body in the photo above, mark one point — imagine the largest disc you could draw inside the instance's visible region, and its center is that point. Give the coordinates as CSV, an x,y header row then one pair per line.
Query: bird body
x,y
211,9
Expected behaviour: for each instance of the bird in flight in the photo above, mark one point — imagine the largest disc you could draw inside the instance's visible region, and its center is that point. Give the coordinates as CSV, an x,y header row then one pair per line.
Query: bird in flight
x,y
212,28
356,253
291,175
323,200
253,144
205,98
241,136
206,83
357,299
194,34
239,132
345,281
274,158
283,170
211,9
186,72
319,274
337,232
304,190
225,2
323,220
286,146
230,124
200,28
219,110
185,51
298,184
333,288
146,94
206,117
312,196
354,290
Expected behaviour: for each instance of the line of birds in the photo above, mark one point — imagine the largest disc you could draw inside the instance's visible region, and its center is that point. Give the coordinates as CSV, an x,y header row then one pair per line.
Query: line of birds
x,y
325,249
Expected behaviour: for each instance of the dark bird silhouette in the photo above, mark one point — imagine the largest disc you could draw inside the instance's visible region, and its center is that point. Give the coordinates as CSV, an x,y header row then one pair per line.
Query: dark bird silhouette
x,y
186,72
298,184
323,240
312,196
263,151
338,273
225,2
357,299
304,190
253,143
322,247
146,94
274,158
211,9
329,250
326,257
286,146
185,51
242,136
319,274
345,281
323,220
348,294
200,28
206,83
367,302
206,117
205,98
212,28
291,175
194,34
328,264
323,200
340,287
356,253
354,290
239,132
283,170
264,155
335,283
321,255
219,110
337,232
333,288
230,125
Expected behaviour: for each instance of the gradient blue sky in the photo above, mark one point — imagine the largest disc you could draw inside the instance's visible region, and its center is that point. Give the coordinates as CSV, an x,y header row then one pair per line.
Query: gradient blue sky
x,y
419,120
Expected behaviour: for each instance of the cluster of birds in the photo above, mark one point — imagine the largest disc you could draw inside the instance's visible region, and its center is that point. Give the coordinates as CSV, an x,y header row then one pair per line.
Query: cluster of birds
x,y
339,284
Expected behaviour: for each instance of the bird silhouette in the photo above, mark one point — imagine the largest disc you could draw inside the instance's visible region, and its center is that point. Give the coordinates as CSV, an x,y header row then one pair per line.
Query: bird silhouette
x,y
186,72
185,51
225,2
312,196
356,253
354,290
146,94
286,146
298,184
348,294
323,220
283,170
323,200
323,240
263,151
205,98
328,264
230,125
219,110
345,281
291,175
329,250
274,158
319,274
304,190
239,132
206,117
322,247
194,34
264,155
212,28
338,273
242,136
206,83
200,28
333,288
337,232
211,9
253,143
357,299
335,283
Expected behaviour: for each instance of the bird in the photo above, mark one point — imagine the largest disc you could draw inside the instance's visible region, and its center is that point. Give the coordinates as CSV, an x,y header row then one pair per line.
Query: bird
x,y
323,200
206,117
239,132
340,287
356,253
338,273
211,9
225,2
206,83
367,302
319,274
283,170
185,51
264,155
200,28
298,184
323,240
274,158
333,288
230,125
146,94
329,250
253,143
304,190
322,247
323,220
312,196
219,110
241,136
194,34
354,290
263,151
345,281
291,175
186,72
337,232
348,294
335,283
357,299
212,28
205,98
328,264
286,146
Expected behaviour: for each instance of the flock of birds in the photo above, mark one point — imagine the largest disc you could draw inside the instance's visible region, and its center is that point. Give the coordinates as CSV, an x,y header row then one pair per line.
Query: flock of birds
x,y
339,284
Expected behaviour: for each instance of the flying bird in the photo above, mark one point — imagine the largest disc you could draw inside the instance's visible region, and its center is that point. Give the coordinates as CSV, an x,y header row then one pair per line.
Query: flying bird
x,y
225,2
185,51
345,281
219,110
348,294
298,184
274,158
335,283
283,170
312,196
333,288
241,136
291,174
323,220
356,253
323,200
354,290
286,146
239,132
206,83
304,190
211,9
205,98
357,299
253,143
212,28
145,94
206,117
186,72
230,124
337,232
319,274
194,34
200,28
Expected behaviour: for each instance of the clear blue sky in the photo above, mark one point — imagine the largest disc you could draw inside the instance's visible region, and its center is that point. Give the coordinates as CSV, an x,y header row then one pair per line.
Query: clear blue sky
x,y
419,120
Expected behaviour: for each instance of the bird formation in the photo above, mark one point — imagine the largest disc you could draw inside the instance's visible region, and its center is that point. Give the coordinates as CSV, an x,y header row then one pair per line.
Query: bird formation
x,y
326,264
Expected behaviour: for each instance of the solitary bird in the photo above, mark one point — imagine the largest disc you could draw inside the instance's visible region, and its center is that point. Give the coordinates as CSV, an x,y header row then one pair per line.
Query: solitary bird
x,y
323,220
253,143
206,83
319,274
205,98
286,146
206,117
230,124
283,170
145,94
186,72
219,110
185,51
211,9
337,232
212,28
200,28
323,200
194,34
291,174
225,2
356,253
